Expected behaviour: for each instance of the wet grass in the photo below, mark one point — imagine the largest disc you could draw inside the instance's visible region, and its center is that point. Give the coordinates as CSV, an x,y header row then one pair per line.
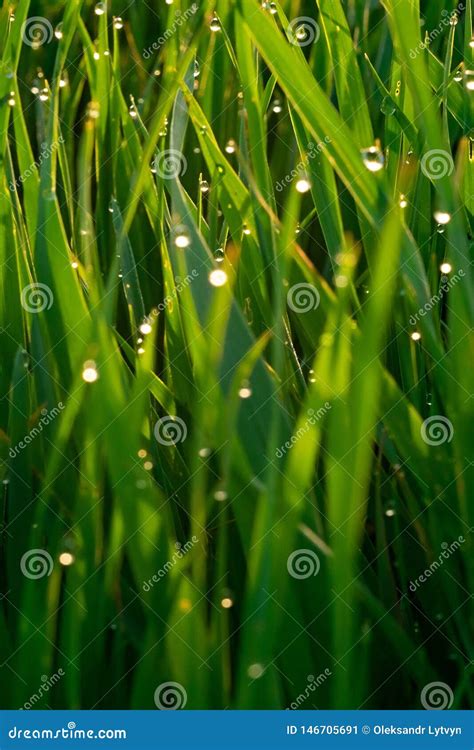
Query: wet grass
x,y
236,333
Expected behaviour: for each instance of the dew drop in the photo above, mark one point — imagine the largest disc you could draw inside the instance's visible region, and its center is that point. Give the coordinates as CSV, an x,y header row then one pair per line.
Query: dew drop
x,y
182,237
230,147
66,559
469,80
245,391
204,186
215,24
388,107
220,496
58,31
100,9
276,107
445,268
118,23
416,336
442,217
373,158
255,671
218,278
303,185
219,255
89,371
403,203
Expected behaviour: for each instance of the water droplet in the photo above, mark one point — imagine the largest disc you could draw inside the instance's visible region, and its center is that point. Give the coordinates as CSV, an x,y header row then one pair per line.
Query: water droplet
x,y
182,237
445,268
227,602
204,452
89,371
390,512
96,55
44,95
458,75
276,107
273,8
230,147
416,336
453,19
245,391
11,99
66,559
133,112
100,9
255,671
204,186
442,217
118,23
145,327
197,69
75,264
303,185
373,158
403,203
215,24
220,496
58,31
388,107
93,111
469,80
219,255
246,230
218,278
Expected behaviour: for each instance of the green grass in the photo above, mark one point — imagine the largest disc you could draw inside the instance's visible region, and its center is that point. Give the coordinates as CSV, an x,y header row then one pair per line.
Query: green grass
x,y
115,235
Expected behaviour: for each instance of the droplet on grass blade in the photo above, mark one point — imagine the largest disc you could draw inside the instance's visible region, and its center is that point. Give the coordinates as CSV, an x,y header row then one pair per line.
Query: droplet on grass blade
x,y
373,158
